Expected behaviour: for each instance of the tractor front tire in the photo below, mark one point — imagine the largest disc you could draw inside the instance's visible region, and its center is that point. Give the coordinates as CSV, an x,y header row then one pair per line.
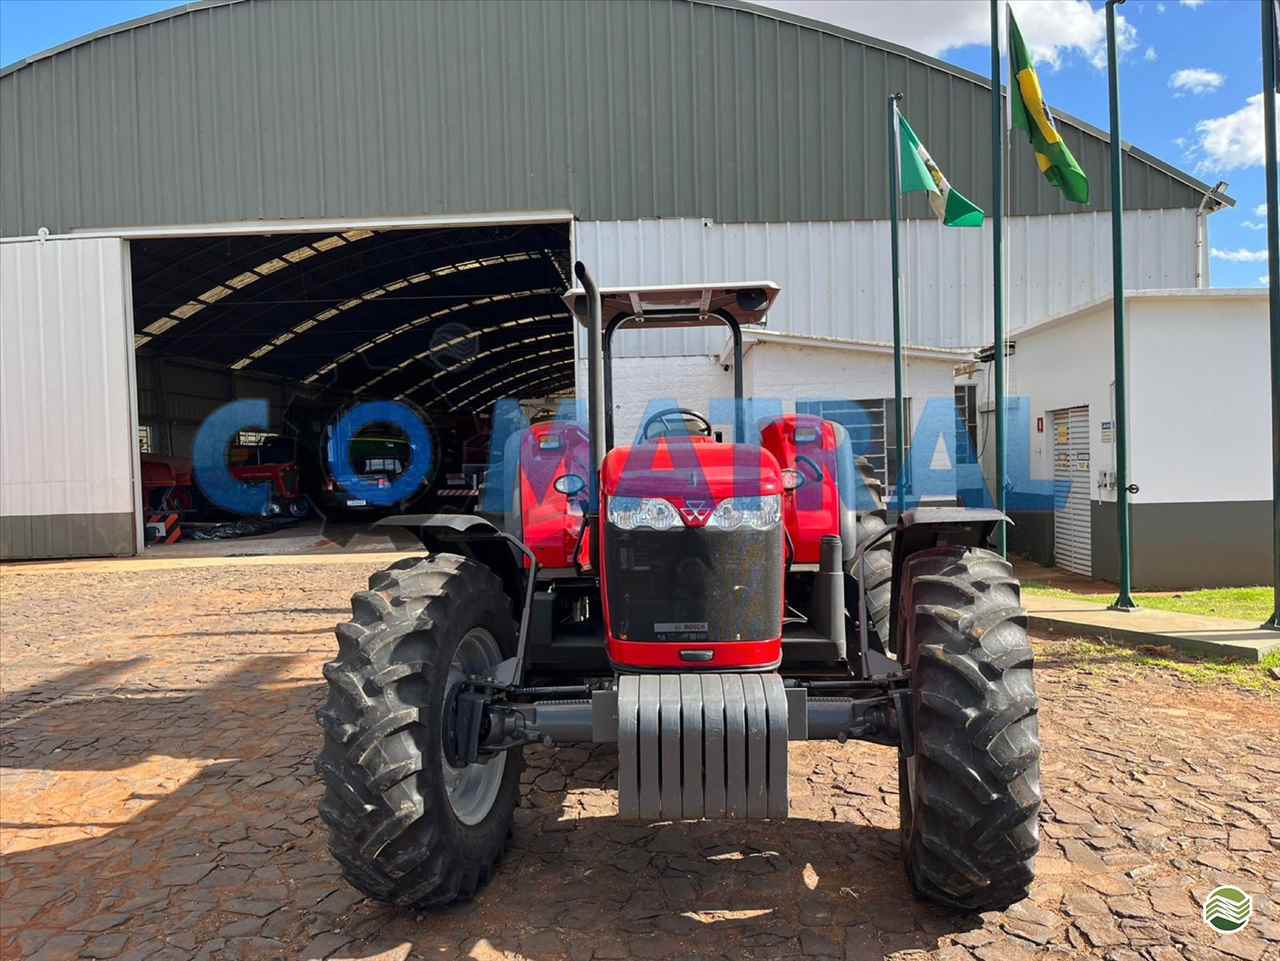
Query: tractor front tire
x,y
406,826
970,794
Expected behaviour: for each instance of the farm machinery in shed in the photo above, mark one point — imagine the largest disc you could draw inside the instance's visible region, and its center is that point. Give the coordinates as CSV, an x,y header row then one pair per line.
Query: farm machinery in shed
x,y
701,603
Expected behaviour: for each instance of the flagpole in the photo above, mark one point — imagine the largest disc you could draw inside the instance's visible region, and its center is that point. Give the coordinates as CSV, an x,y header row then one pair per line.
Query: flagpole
x,y
894,189
1269,66
997,266
1124,602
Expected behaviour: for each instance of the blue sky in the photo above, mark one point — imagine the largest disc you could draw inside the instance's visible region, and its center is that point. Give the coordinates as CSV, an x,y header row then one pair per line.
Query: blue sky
x,y
1189,71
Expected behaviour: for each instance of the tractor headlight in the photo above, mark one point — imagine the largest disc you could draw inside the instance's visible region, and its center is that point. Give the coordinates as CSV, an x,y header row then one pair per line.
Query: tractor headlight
x,y
629,513
755,513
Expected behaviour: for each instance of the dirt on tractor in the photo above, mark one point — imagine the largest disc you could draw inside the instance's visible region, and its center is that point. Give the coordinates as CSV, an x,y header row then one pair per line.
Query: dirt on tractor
x,y
157,748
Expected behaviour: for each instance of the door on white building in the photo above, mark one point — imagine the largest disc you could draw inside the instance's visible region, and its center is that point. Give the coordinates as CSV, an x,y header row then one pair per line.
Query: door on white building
x,y
1072,543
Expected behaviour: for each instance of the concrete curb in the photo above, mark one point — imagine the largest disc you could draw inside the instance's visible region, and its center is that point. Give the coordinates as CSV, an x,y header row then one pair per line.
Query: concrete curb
x,y
1251,647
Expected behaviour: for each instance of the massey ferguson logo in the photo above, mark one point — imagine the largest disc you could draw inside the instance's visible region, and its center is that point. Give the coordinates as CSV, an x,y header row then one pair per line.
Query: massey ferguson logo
x,y
695,511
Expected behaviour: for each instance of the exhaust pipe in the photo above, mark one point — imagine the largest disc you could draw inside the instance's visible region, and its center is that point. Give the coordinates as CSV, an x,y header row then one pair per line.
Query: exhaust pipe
x,y
595,401
595,371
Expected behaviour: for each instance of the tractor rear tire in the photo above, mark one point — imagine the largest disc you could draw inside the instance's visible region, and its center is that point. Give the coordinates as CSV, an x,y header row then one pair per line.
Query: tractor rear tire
x,y
406,826
879,559
970,794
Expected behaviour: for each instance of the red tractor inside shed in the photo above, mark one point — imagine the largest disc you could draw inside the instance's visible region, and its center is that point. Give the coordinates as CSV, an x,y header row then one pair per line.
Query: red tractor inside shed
x,y
700,602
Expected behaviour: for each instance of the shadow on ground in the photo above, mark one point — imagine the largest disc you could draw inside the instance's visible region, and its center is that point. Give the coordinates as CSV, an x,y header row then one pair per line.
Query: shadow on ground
x,y
167,823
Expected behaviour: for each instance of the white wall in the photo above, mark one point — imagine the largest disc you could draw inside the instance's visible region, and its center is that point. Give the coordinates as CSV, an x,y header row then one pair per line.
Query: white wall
x,y
1200,403
639,382
1059,366
784,373
835,276
790,373
777,373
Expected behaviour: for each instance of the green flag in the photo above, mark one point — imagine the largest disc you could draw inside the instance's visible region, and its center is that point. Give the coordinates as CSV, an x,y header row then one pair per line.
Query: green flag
x,y
919,172
1031,115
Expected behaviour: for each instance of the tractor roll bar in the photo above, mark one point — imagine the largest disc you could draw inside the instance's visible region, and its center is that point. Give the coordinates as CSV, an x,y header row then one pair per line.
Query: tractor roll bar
x,y
735,329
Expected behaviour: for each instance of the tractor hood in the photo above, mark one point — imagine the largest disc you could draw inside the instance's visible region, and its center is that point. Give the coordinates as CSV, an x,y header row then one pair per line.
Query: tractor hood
x,y
683,305
684,469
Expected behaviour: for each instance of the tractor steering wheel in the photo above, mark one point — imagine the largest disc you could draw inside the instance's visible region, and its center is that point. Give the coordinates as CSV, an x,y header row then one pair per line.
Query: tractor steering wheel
x,y
661,417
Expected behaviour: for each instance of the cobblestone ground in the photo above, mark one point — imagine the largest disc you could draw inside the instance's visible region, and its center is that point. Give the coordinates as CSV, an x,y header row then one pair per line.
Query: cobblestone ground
x,y
159,803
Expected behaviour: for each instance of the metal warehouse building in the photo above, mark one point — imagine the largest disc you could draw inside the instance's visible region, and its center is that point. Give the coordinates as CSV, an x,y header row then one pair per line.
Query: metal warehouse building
x,y
352,199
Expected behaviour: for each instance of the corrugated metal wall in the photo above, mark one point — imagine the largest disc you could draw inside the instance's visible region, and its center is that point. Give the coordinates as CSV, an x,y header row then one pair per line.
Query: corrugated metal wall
x,y
66,362
175,397
616,111
835,277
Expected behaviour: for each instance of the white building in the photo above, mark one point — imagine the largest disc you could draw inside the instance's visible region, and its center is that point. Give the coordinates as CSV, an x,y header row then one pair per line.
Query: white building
x,y
846,381
1199,438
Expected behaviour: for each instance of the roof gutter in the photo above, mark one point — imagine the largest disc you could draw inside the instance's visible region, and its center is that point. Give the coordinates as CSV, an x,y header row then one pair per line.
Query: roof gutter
x,y
753,337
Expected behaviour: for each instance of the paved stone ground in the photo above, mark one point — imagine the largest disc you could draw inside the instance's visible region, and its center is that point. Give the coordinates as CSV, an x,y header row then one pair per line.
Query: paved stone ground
x,y
159,803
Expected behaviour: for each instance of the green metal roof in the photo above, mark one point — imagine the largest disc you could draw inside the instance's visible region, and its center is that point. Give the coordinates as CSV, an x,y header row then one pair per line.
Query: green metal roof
x,y
233,110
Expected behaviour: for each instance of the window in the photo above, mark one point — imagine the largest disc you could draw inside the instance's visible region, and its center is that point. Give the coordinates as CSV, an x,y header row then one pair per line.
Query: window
x,y
872,430
144,438
967,424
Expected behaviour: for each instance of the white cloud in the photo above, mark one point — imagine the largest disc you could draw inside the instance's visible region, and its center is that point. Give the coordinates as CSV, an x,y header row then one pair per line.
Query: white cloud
x,y
1233,141
1260,210
1151,56
1264,280
1191,3
1160,8
1240,256
1196,80
1053,29
1252,225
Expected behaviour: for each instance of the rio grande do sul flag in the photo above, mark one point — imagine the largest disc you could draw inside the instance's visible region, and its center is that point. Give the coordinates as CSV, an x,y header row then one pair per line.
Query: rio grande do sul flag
x,y
918,172
1030,114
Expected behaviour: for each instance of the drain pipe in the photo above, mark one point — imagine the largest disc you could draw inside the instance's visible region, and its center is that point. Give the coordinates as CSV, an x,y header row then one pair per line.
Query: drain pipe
x,y
1210,197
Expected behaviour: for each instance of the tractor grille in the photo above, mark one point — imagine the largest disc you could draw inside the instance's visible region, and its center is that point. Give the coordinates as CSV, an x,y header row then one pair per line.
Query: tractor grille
x,y
694,585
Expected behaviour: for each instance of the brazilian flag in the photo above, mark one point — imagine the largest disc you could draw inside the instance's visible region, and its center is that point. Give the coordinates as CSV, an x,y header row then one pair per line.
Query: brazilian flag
x,y
1031,115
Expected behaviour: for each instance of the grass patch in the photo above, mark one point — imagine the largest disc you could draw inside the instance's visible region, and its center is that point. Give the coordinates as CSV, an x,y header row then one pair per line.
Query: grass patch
x,y
1242,603
1249,677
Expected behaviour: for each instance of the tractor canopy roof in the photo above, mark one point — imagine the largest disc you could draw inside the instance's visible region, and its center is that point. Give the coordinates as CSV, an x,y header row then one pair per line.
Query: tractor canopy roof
x,y
681,305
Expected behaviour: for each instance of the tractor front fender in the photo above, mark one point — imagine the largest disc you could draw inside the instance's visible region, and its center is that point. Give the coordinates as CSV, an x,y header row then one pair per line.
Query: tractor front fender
x,y
474,537
928,527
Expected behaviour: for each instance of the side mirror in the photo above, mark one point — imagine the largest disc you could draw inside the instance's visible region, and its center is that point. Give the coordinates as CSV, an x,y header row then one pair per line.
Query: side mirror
x,y
570,484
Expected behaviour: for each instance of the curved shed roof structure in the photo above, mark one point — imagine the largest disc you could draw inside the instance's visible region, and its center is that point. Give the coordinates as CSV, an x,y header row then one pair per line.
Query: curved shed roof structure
x,y
447,317
239,110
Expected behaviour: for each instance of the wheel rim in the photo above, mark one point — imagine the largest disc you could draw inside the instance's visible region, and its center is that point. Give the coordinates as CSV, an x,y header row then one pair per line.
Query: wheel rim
x,y
473,788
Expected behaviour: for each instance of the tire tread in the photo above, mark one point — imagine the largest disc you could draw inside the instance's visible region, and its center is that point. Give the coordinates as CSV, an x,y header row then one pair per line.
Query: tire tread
x,y
972,828
381,800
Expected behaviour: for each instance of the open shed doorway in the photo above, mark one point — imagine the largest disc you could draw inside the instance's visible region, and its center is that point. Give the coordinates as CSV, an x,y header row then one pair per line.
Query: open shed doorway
x,y
441,320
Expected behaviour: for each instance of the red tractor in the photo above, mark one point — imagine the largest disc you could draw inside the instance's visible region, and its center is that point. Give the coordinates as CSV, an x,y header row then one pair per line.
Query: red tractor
x,y
699,603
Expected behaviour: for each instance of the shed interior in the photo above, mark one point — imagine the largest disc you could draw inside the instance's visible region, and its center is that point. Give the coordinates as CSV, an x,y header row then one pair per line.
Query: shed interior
x,y
446,320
